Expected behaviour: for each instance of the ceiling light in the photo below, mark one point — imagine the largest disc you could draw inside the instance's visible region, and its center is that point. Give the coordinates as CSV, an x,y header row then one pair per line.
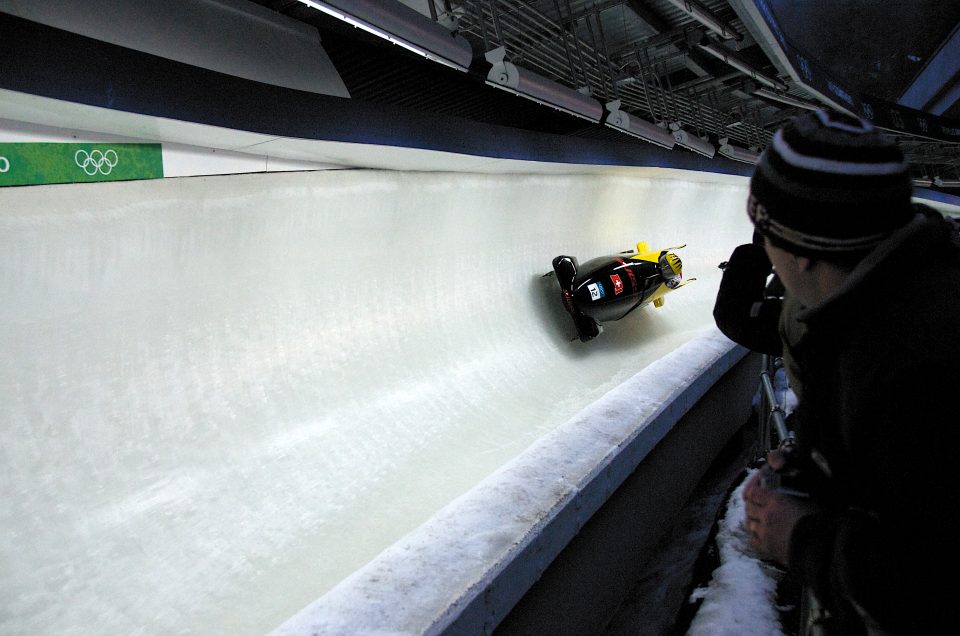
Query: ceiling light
x,y
403,26
540,89
692,142
946,183
736,153
637,127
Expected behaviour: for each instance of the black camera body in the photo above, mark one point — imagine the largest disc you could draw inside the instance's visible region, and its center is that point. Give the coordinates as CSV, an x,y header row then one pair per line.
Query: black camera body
x,y
790,479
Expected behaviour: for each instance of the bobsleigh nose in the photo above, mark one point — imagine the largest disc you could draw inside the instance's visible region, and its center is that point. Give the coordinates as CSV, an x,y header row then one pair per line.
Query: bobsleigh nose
x,y
565,268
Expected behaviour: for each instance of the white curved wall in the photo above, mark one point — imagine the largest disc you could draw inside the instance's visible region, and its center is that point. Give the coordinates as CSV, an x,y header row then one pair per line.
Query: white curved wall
x,y
221,395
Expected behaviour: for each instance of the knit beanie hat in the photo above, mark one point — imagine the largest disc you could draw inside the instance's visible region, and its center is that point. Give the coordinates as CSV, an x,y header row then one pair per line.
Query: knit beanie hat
x,y
829,184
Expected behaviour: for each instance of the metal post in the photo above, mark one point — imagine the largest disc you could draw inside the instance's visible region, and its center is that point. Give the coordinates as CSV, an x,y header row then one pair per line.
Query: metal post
x,y
771,412
482,21
496,22
576,41
606,56
643,84
566,45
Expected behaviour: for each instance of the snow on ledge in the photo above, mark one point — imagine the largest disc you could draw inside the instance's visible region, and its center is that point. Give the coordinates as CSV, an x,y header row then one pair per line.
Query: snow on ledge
x,y
449,569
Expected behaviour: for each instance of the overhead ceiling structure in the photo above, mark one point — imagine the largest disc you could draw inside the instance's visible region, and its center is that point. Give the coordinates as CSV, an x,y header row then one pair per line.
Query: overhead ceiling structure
x,y
694,75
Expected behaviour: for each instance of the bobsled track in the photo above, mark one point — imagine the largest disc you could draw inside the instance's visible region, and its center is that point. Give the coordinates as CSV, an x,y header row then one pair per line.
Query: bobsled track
x,y
223,395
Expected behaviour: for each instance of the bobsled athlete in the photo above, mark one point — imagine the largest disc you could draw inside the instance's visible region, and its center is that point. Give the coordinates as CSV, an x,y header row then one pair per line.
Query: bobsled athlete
x,y
610,287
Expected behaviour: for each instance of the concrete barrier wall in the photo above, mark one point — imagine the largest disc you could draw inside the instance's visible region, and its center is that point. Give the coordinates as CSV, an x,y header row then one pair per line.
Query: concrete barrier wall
x,y
593,574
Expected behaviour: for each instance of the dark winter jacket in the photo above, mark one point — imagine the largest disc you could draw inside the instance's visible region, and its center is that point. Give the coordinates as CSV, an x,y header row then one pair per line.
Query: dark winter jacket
x,y
878,424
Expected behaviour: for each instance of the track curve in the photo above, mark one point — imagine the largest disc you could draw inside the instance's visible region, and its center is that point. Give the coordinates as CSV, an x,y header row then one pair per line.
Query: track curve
x,y
224,394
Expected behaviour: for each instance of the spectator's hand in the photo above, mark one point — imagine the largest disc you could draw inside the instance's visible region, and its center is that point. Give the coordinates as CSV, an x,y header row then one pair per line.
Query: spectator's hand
x,y
772,515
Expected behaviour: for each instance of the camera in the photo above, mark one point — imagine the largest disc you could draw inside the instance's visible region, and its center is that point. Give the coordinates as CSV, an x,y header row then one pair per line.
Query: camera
x,y
790,479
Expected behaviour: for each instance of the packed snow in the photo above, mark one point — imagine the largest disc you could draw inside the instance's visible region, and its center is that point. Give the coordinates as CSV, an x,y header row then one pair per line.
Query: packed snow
x,y
741,597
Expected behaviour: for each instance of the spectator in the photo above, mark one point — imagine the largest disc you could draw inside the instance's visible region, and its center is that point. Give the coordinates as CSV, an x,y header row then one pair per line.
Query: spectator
x,y
877,286
745,310
750,308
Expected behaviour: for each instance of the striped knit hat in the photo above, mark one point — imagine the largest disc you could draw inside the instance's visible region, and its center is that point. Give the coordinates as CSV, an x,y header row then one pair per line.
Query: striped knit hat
x,y
829,184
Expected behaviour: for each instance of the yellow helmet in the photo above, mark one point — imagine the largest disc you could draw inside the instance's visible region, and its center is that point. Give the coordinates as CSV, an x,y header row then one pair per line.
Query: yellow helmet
x,y
671,267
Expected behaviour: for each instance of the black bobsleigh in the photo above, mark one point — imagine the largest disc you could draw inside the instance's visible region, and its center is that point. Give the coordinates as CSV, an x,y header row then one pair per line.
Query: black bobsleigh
x,y
608,288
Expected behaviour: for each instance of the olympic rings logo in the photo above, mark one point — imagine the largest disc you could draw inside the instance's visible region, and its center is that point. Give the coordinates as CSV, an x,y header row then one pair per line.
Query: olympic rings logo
x,y
96,161
4,164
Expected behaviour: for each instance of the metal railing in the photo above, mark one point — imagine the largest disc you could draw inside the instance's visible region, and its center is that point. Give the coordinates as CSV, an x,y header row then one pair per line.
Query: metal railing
x,y
773,431
535,41
772,418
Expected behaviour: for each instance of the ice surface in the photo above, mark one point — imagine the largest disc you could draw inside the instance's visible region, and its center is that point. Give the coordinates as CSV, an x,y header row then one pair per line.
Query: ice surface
x,y
222,395
426,579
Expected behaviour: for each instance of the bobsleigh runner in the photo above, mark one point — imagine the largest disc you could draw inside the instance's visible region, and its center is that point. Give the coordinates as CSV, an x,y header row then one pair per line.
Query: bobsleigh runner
x,y
610,287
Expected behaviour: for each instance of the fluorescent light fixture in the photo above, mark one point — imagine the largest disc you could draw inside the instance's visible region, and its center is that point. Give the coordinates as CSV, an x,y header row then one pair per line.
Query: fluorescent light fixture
x,y
692,142
405,27
707,19
728,57
637,127
922,182
540,89
786,99
946,183
736,153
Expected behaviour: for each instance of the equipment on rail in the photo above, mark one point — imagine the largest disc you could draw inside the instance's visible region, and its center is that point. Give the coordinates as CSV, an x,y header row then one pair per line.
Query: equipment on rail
x,y
608,288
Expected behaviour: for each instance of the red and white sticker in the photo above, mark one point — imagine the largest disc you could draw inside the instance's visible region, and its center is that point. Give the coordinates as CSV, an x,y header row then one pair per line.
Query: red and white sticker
x,y
617,284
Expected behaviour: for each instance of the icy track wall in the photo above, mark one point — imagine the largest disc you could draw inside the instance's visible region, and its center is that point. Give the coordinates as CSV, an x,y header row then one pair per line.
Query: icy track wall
x,y
222,395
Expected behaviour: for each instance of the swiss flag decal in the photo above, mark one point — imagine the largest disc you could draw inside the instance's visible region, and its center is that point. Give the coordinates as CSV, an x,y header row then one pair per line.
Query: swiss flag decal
x,y
617,284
